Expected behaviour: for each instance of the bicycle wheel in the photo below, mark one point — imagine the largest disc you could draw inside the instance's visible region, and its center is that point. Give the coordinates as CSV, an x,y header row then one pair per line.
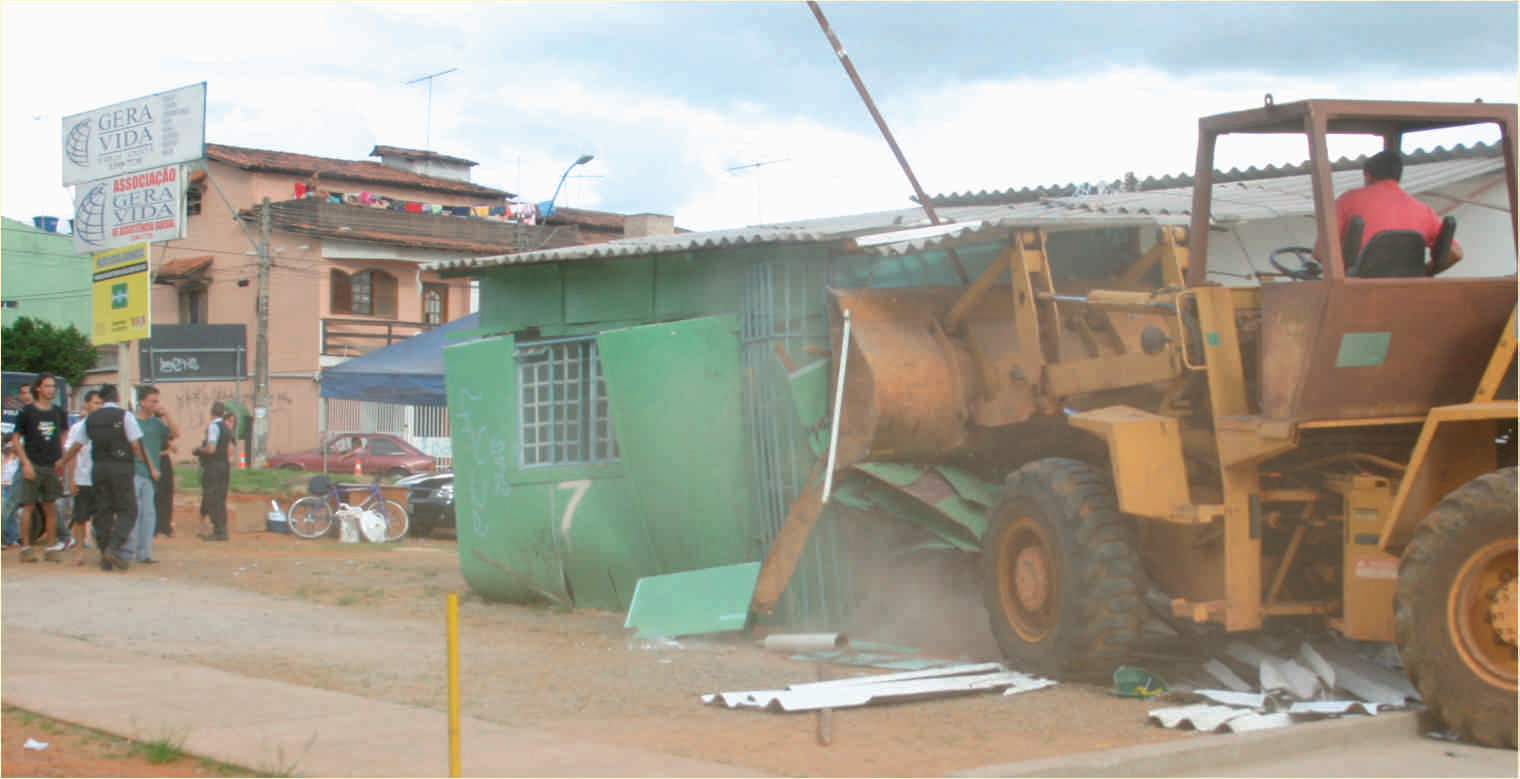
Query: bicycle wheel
x,y
396,521
310,517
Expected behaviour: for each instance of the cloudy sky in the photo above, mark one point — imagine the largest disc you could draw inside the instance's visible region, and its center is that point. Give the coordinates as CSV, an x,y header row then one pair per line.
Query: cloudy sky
x,y
733,113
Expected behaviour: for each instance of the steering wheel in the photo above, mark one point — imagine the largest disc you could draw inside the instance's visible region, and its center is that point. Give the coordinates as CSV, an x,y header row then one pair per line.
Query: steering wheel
x,y
1308,269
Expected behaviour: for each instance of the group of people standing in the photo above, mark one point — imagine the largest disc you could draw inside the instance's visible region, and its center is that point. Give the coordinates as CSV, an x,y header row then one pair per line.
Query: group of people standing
x,y
116,464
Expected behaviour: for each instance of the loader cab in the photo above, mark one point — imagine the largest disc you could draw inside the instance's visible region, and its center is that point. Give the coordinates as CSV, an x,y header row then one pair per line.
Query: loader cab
x,y
1366,334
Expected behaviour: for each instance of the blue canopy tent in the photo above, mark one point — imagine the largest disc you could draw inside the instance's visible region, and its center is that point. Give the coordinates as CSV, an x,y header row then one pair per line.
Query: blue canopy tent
x,y
408,372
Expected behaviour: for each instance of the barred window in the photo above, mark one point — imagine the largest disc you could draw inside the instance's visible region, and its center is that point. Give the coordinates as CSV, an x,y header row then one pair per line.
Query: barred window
x,y
563,417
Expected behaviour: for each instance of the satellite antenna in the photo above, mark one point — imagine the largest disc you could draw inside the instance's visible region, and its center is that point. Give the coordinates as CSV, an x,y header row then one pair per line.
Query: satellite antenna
x,y
757,166
429,79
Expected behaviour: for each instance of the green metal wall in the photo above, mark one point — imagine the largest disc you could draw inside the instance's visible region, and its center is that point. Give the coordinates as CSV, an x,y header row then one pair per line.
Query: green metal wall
x,y
679,497
40,271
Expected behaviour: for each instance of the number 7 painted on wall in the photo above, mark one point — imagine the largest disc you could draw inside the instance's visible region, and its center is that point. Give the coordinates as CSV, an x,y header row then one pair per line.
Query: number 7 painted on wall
x,y
567,520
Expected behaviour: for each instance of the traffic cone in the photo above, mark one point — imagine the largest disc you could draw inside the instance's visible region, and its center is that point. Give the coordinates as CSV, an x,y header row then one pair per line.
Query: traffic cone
x,y
242,460
358,467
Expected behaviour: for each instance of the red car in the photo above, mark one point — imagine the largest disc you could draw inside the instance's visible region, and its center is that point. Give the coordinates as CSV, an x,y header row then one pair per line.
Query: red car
x,y
380,453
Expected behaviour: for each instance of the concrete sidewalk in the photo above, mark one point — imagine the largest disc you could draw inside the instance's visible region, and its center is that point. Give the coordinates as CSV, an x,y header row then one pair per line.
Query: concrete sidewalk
x,y
279,728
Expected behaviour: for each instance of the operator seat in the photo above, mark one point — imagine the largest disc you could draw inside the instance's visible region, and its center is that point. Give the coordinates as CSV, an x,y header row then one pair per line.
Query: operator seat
x,y
1397,253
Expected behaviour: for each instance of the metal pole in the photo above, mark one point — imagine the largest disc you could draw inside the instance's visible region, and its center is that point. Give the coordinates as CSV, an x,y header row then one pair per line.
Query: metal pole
x,y
860,86
453,648
844,359
261,347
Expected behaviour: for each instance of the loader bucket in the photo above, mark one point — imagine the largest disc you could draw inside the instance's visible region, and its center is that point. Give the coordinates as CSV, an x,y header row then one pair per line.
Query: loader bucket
x,y
904,396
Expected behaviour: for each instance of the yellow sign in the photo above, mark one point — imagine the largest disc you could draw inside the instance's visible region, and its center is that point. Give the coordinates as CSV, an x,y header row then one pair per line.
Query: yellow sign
x,y
120,295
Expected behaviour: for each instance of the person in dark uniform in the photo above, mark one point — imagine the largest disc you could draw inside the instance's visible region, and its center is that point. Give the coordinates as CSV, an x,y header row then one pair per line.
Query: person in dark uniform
x,y
163,493
114,439
215,472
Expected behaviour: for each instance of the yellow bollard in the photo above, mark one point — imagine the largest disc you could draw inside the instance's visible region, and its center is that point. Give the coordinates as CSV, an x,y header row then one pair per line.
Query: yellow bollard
x,y
453,630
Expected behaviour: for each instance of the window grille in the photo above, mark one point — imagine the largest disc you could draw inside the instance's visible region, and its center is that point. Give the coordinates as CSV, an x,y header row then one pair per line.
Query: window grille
x,y
434,299
563,416
361,291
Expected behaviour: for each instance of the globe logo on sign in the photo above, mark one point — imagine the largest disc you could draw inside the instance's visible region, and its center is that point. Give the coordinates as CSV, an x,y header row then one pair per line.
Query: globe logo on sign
x,y
119,295
90,217
78,146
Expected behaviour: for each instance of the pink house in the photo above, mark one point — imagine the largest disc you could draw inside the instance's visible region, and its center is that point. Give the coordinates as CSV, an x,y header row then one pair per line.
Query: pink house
x,y
347,239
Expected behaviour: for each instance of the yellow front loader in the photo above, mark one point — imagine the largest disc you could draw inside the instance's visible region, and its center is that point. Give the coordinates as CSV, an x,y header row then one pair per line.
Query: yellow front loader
x,y
1335,441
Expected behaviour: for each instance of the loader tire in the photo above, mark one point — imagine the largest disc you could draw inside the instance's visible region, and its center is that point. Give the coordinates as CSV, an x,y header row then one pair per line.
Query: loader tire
x,y
1061,580
1455,614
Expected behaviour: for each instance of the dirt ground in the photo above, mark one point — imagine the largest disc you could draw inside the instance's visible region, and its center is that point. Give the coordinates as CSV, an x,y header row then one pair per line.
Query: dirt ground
x,y
76,751
369,620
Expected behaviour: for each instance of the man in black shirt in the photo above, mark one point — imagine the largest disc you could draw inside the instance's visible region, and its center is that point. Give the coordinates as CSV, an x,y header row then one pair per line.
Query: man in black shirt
x,y
42,427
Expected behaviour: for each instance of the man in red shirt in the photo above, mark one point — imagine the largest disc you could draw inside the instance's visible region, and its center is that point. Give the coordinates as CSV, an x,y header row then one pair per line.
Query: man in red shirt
x,y
1384,205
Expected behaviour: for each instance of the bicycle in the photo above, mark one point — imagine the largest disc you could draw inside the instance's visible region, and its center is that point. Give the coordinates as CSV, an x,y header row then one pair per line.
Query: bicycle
x,y
314,515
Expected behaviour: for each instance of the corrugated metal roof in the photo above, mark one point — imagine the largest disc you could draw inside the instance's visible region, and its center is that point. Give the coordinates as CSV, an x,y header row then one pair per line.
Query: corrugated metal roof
x,y
1253,173
902,231
1233,202
649,245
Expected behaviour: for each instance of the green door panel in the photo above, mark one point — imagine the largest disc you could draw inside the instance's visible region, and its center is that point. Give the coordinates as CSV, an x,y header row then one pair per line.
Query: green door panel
x,y
506,525
674,390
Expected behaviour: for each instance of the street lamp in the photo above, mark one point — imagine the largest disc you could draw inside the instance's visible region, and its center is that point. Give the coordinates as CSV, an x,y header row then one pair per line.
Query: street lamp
x,y
547,209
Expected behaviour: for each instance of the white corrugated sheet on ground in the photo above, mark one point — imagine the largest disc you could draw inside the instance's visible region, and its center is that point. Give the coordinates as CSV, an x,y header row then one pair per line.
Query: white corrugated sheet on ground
x,y
1244,700
863,690
1333,707
1202,717
1291,690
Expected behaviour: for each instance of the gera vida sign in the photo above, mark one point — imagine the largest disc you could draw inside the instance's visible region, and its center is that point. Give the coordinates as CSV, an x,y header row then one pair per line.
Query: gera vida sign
x,y
123,210
163,129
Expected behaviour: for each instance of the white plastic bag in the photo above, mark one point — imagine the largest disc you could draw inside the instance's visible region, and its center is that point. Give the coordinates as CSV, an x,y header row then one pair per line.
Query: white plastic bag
x,y
348,524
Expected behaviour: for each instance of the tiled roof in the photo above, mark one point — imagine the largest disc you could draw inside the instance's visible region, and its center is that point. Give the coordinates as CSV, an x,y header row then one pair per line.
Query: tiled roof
x,y
1151,183
357,171
602,220
420,154
181,268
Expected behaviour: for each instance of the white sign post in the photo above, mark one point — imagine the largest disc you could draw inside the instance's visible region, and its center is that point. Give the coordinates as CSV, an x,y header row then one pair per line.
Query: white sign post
x,y
123,210
150,132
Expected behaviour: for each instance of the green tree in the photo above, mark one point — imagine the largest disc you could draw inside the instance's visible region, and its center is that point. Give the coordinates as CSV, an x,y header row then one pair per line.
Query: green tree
x,y
30,344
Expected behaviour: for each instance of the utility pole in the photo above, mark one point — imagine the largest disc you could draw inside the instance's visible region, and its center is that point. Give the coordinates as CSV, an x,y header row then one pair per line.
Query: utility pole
x,y
261,347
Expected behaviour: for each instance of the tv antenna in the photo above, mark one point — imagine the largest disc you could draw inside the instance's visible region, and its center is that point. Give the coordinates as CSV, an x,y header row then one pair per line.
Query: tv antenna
x,y
756,166
429,79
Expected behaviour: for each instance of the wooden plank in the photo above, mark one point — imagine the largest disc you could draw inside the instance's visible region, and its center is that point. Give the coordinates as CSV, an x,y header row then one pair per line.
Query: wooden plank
x,y
786,549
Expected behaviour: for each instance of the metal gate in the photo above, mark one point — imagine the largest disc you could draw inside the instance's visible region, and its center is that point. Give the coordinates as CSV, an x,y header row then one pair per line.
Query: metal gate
x,y
782,311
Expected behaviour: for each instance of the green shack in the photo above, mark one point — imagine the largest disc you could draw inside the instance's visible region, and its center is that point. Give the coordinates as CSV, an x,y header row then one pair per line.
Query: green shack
x,y
654,405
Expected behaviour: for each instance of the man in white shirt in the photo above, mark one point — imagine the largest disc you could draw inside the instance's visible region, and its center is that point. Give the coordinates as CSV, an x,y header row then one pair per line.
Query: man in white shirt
x,y
78,483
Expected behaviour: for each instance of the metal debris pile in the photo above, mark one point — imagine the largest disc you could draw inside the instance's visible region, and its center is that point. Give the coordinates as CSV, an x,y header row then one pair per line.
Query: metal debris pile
x,y
882,688
1289,691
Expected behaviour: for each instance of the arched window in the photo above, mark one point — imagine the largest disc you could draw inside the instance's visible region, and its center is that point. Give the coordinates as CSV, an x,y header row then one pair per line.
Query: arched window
x,y
435,304
368,292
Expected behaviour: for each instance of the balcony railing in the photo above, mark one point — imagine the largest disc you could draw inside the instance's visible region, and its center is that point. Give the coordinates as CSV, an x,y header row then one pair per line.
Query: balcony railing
x,y
353,337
